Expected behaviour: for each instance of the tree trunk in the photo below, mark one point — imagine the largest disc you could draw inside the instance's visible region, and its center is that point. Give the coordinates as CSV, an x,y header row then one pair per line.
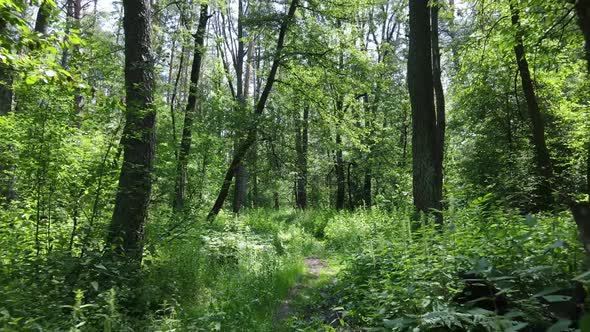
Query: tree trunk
x,y
583,12
131,206
542,158
251,136
440,110
190,112
6,96
240,187
301,145
340,177
43,15
242,83
420,84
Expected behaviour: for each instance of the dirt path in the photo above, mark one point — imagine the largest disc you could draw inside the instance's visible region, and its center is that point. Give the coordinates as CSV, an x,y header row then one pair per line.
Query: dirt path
x,y
314,267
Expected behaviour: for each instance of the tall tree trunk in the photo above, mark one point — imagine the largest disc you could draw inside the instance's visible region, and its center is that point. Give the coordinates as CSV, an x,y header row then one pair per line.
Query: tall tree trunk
x,y
542,158
340,177
241,173
420,84
190,112
583,12
126,234
370,111
301,145
260,106
440,110
7,192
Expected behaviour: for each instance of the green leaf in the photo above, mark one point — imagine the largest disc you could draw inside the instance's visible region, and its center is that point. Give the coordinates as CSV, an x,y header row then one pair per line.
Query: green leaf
x,y
560,326
30,80
556,298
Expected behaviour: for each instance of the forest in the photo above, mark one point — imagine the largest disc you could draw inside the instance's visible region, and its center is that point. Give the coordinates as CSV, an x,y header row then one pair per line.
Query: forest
x,y
294,165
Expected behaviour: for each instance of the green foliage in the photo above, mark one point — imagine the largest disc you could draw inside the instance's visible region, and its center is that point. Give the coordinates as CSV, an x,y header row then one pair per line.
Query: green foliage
x,y
401,279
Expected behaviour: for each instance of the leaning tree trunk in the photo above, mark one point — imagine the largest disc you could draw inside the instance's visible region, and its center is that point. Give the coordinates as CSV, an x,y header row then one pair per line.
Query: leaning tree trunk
x,y
420,84
245,145
190,113
440,111
126,234
542,158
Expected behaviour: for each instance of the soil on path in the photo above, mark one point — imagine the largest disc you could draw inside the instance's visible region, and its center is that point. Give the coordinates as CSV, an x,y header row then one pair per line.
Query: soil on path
x,y
314,267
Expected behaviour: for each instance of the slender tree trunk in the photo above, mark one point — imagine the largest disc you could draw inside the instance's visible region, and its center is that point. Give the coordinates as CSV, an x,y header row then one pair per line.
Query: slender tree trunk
x,y
440,110
340,177
542,158
420,84
190,112
370,110
301,145
130,214
260,106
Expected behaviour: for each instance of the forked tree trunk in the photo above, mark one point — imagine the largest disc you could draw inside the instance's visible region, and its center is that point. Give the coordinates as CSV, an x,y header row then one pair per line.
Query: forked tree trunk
x,y
126,235
420,84
542,158
190,113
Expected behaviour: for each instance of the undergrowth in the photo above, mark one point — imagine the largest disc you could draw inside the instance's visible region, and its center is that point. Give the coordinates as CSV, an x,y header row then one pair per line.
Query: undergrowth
x,y
386,272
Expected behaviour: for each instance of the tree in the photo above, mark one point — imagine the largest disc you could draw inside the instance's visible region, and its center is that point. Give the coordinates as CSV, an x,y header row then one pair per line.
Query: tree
x,y
542,158
440,108
420,84
190,112
250,138
130,214
583,13
301,146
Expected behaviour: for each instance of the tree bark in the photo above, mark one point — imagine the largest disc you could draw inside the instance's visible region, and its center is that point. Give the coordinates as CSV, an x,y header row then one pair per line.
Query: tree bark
x,y
260,106
420,84
440,111
301,145
130,214
42,20
7,192
190,112
340,177
542,158
583,12
241,172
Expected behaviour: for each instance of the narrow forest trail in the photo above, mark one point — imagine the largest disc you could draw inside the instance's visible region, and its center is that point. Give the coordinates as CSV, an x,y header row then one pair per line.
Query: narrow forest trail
x,y
314,267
